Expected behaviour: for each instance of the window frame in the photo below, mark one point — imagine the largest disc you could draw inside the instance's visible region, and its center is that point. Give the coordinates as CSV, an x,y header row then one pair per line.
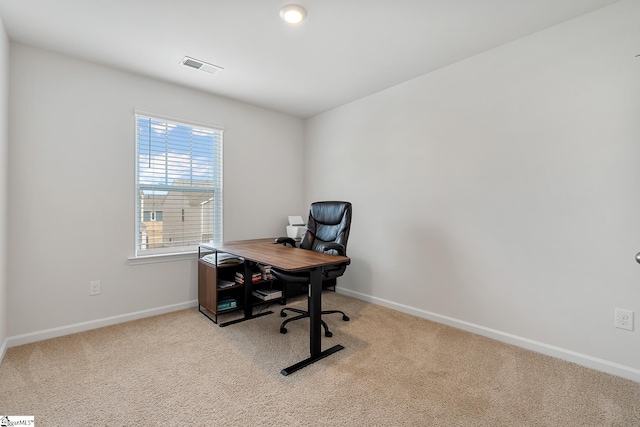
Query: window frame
x,y
187,251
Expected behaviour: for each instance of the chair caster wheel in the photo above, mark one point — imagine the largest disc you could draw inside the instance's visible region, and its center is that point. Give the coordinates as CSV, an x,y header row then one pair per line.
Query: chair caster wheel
x,y
283,314
328,334
345,318
283,330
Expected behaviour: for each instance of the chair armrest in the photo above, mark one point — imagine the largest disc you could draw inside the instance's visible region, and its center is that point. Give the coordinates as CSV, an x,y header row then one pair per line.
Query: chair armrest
x,y
338,247
285,240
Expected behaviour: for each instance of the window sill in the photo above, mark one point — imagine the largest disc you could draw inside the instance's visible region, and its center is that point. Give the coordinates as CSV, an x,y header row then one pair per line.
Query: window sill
x,y
151,259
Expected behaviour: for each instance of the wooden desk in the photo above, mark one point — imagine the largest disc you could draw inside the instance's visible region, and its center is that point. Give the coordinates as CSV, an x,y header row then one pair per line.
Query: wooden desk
x,y
266,251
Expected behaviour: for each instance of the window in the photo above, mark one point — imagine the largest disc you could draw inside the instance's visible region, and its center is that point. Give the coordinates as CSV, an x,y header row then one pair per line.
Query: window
x,y
178,185
151,216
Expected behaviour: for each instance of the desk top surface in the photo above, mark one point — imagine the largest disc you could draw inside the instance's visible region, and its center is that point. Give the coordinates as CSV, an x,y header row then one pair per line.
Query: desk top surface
x,y
266,251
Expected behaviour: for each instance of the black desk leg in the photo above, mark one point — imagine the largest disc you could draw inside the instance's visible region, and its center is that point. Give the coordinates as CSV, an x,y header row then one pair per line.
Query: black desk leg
x,y
315,334
314,305
248,286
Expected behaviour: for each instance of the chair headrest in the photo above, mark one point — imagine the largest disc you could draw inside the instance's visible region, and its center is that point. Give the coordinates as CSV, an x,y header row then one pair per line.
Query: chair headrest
x,y
329,213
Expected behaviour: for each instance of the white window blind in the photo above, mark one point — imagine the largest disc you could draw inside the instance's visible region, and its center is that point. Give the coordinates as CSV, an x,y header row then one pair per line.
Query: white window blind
x,y
178,186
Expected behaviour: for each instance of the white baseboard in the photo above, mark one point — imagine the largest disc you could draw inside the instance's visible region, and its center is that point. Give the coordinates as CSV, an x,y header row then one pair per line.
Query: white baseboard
x,y
539,347
3,349
93,324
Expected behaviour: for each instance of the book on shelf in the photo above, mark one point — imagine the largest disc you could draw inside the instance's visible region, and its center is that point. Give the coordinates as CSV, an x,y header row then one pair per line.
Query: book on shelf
x,y
240,281
225,283
255,277
223,258
267,294
277,292
265,270
263,273
241,274
227,303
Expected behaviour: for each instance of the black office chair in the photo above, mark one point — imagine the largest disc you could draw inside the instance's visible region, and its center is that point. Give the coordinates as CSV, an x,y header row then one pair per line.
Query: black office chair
x,y
327,231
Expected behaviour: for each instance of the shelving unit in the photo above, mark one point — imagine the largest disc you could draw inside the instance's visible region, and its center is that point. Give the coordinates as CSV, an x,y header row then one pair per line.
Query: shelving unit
x,y
210,294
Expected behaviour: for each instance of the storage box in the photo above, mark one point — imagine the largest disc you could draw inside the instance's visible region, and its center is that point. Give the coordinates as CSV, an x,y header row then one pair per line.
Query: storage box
x,y
296,227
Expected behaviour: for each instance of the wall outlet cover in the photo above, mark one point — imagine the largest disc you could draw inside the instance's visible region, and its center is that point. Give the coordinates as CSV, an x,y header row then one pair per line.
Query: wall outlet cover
x,y
624,319
94,287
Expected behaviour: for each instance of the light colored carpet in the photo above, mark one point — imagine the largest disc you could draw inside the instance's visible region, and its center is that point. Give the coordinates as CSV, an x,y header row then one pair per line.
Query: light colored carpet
x,y
179,369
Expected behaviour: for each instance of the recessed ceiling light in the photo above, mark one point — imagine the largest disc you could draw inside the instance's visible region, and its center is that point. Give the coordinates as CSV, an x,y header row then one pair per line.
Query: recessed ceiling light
x,y
293,14
201,65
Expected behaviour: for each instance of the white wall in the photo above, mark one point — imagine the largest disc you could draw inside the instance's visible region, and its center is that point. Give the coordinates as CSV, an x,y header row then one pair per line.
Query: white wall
x,y
4,95
71,189
501,194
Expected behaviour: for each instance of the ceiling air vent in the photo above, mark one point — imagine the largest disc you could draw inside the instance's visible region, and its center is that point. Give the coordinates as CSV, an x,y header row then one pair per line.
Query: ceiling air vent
x,y
201,65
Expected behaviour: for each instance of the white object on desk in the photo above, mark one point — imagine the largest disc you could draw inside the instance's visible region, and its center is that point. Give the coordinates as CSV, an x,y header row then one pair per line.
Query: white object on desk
x,y
296,227
222,258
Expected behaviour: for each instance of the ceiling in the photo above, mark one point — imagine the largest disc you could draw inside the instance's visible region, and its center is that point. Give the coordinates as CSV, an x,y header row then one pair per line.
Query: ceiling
x,y
343,51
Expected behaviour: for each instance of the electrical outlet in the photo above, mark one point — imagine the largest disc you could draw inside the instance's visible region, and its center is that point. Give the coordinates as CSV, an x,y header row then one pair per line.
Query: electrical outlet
x,y
94,287
624,319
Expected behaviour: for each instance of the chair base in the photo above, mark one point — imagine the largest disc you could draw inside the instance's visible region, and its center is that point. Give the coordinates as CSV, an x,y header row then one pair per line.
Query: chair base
x,y
303,314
